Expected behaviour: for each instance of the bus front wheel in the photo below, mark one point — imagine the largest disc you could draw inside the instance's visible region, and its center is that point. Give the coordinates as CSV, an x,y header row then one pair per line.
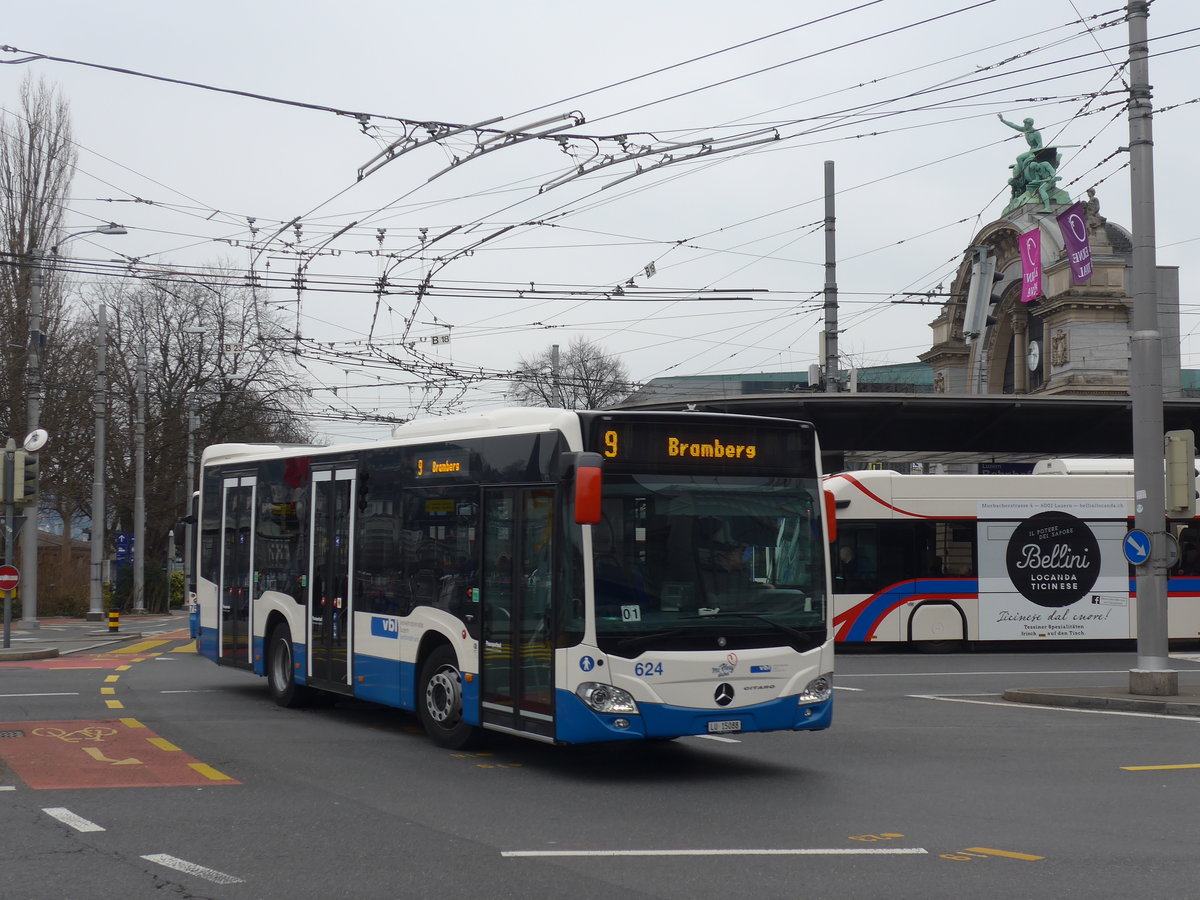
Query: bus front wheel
x,y
281,670
440,700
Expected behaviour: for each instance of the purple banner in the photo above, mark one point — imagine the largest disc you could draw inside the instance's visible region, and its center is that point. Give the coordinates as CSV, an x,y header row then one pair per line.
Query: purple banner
x,y
1073,224
1031,265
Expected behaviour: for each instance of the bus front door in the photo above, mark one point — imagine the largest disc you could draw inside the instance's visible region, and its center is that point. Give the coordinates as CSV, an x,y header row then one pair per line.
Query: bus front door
x,y
237,563
330,580
517,665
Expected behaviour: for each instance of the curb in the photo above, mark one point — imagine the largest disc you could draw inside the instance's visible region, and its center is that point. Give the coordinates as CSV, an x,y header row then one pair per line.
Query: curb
x,y
1172,706
9,654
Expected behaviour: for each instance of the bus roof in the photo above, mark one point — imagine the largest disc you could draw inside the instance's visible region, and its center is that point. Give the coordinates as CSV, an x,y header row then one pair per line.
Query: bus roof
x,y
1083,467
886,494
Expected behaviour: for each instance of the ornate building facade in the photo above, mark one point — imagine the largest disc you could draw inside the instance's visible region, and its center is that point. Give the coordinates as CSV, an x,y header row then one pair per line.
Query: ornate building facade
x,y
1073,339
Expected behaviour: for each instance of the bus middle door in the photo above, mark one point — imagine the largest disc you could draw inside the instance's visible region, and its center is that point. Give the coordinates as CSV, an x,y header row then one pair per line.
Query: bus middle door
x,y
517,665
331,582
237,564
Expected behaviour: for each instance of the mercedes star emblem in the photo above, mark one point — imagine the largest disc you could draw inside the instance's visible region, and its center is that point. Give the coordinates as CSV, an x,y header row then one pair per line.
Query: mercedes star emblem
x,y
723,694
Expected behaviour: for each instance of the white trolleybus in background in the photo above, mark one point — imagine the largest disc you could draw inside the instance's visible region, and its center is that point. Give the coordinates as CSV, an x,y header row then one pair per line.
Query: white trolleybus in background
x,y
939,560
565,576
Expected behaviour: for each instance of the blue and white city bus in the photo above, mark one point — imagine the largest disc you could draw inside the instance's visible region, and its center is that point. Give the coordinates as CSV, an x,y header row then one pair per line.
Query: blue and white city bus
x,y
565,576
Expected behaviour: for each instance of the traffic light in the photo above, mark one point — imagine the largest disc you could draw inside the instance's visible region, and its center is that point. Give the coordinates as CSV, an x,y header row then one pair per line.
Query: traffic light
x,y
1180,451
25,478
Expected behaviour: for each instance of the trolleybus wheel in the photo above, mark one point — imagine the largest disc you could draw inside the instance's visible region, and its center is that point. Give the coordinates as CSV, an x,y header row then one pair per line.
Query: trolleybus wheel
x,y
440,700
281,670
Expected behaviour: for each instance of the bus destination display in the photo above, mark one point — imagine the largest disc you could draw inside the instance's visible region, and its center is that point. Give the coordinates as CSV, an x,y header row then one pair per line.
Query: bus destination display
x,y
715,447
446,464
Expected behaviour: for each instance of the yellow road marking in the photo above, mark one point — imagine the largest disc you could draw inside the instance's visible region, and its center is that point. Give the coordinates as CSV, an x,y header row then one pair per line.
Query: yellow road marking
x,y
209,772
123,668
114,704
109,679
131,723
97,754
108,690
189,647
1007,854
140,647
162,743
1156,768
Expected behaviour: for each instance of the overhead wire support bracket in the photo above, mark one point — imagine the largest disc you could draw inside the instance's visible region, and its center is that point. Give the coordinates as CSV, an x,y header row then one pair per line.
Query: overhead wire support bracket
x,y
511,138
388,153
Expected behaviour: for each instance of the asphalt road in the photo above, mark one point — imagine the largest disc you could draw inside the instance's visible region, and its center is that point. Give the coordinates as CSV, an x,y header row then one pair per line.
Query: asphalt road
x,y
174,777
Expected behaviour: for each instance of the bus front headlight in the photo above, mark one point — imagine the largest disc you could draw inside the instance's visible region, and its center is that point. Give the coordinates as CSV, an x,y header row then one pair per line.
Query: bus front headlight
x,y
818,690
605,698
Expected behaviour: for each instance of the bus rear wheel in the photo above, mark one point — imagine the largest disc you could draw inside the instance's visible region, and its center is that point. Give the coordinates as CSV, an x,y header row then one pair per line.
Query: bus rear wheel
x,y
439,701
281,670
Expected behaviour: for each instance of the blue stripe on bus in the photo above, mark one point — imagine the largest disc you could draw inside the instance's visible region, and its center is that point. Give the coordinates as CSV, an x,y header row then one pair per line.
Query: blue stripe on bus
x,y
576,723
876,608
870,612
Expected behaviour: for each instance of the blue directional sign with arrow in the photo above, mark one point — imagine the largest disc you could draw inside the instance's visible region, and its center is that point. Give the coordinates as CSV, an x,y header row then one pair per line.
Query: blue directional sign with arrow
x,y
1137,547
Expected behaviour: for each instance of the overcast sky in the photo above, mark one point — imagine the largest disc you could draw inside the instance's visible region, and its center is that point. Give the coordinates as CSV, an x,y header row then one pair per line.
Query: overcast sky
x,y
902,95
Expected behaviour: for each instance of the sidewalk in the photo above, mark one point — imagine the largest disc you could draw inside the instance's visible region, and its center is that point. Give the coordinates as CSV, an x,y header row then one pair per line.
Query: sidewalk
x,y
61,637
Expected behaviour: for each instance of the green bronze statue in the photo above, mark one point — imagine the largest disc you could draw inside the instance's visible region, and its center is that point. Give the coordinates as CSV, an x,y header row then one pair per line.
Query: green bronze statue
x,y
1034,174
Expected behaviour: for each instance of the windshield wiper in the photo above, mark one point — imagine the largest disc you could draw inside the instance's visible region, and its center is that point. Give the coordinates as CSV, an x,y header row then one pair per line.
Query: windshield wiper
x,y
778,626
631,643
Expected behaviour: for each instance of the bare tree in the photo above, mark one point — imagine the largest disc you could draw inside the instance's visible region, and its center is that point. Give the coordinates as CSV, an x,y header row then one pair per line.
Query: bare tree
x,y
584,377
211,348
37,161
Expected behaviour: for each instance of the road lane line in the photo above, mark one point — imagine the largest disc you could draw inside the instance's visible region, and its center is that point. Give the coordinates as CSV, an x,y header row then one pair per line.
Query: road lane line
x,y
57,694
114,704
191,868
67,817
162,744
717,737
1159,768
1007,854
1020,674
801,851
1008,704
209,772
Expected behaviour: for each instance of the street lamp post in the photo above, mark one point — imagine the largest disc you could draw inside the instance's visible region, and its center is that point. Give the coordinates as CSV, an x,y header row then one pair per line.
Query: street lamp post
x,y
33,400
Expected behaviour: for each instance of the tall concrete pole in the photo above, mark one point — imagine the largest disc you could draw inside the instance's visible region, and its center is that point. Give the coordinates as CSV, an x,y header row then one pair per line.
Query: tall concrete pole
x,y
96,597
33,415
1153,674
831,299
139,488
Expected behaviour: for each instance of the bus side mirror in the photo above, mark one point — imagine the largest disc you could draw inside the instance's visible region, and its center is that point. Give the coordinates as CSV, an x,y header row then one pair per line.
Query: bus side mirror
x,y
831,515
588,482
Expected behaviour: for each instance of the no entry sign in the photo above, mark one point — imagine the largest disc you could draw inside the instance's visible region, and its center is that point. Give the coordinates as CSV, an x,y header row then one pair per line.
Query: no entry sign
x,y
9,578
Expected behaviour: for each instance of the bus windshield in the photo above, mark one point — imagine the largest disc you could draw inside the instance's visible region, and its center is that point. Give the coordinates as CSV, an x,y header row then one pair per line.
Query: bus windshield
x,y
688,562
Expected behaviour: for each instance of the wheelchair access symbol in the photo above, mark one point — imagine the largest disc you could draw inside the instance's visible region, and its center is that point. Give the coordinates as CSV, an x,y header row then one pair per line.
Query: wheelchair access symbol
x,y
1136,547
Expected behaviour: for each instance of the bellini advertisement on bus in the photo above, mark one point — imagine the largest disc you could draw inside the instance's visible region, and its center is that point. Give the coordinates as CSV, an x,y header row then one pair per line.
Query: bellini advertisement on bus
x,y
1053,569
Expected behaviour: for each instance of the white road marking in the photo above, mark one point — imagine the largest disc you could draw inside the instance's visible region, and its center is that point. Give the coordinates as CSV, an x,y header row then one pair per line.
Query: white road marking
x,y
190,868
1012,704
801,851
842,687
1014,673
59,694
717,737
67,817
8,787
